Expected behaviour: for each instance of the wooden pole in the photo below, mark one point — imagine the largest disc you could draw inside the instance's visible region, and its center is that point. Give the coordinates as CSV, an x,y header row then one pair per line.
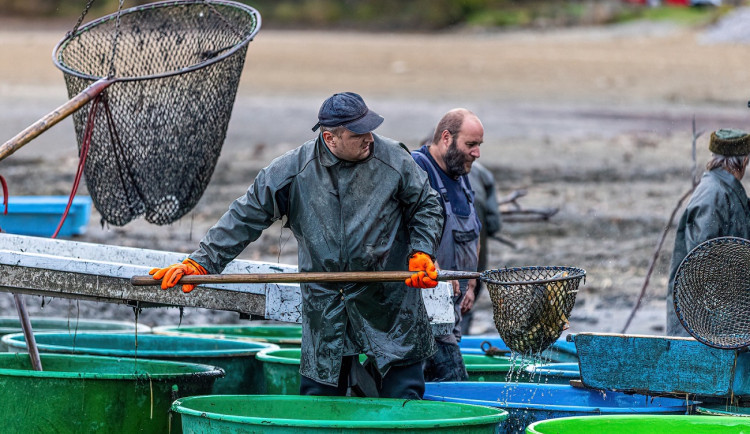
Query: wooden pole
x,y
28,333
344,276
54,117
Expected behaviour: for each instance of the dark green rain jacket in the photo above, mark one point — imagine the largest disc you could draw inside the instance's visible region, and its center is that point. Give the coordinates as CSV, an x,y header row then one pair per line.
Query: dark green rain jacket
x,y
363,216
717,208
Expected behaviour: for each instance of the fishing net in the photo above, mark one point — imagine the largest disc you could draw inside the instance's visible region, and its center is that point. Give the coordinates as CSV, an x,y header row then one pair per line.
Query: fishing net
x,y
531,305
712,292
176,65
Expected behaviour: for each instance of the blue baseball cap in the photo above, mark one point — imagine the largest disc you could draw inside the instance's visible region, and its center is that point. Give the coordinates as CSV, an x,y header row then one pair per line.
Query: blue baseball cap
x,y
348,110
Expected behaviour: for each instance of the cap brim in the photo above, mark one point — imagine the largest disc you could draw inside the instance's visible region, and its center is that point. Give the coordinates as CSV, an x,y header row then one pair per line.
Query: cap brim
x,y
367,123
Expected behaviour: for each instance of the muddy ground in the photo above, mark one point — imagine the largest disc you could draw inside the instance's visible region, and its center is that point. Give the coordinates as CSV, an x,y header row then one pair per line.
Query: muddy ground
x,y
593,121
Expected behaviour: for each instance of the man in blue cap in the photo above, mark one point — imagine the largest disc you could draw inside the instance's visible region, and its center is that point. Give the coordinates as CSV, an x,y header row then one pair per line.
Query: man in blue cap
x,y
717,208
355,201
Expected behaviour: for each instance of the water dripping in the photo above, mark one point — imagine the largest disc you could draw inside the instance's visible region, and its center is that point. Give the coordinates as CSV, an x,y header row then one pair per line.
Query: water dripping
x,y
136,312
151,393
182,313
78,314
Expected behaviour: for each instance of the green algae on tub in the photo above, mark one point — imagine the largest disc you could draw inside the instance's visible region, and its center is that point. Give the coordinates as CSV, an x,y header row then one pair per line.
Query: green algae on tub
x,y
85,394
244,374
315,414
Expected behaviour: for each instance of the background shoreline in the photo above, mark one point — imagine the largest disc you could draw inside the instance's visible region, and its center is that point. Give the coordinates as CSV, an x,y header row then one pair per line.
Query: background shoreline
x,y
593,121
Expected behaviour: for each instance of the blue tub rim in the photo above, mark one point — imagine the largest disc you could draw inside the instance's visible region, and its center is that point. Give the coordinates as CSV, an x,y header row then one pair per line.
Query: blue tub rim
x,y
549,370
551,388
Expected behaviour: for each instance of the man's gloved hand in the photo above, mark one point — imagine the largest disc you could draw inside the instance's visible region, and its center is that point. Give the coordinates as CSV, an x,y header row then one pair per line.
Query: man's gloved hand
x,y
171,275
426,273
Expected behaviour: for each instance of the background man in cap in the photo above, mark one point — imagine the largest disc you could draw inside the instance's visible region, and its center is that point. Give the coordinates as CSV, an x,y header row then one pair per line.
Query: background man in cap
x,y
447,161
717,208
355,201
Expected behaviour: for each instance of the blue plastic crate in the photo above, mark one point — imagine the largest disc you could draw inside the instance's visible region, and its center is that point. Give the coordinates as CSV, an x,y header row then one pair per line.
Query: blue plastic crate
x,y
40,215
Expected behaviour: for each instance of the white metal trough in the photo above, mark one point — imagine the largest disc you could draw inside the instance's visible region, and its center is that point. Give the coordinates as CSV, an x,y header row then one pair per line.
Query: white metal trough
x,y
71,269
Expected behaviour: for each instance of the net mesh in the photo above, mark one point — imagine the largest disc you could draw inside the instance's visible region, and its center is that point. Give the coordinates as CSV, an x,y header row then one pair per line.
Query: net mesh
x,y
531,305
712,292
177,66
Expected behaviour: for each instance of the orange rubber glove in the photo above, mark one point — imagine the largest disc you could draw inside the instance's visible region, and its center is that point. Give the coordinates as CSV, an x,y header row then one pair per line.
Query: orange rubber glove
x,y
171,275
426,274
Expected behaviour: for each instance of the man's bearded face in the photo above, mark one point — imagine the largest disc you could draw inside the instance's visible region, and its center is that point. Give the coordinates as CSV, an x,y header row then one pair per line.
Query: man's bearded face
x,y
455,160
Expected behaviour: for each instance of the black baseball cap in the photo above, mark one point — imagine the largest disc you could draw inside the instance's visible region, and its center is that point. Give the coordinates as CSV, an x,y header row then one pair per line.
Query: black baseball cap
x,y
348,109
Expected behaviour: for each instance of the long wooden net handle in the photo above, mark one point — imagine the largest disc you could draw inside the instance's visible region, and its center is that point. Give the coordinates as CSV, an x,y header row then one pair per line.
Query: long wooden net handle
x,y
60,113
329,277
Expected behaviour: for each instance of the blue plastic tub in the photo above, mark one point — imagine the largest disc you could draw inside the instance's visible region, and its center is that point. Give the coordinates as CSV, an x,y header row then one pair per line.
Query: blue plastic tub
x,y
560,351
528,403
553,373
473,344
40,215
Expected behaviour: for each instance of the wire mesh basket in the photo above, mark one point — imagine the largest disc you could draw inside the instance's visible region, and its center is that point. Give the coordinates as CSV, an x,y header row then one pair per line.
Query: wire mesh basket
x,y
176,66
531,305
712,292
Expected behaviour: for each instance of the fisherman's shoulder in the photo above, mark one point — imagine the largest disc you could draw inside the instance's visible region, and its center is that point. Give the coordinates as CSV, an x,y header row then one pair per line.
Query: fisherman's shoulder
x,y
709,192
292,162
714,181
392,152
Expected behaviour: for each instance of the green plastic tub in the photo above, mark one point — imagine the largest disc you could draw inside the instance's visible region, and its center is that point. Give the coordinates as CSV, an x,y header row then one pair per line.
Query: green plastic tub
x,y
631,424
244,373
316,414
495,368
10,324
281,370
86,394
281,335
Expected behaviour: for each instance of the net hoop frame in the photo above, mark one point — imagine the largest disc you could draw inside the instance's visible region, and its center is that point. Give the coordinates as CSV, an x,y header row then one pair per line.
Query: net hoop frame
x,y
573,273
60,47
681,270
